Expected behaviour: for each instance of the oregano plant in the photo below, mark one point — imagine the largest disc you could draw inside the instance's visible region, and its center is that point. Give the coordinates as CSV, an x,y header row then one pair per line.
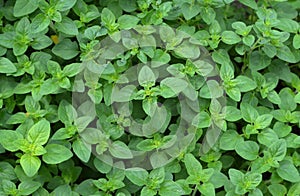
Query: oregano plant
x,y
149,97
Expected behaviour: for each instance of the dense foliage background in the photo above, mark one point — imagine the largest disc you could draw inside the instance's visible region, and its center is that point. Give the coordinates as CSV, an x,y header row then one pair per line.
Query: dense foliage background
x,y
245,145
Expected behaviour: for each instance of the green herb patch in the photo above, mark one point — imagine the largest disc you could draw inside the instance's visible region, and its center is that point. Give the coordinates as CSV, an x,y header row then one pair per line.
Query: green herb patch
x,y
149,97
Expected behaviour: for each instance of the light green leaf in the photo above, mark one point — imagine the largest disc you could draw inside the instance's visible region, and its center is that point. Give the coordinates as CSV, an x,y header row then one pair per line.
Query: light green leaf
x,y
66,112
247,150
67,26
288,171
249,113
244,83
177,85
127,21
28,187
263,121
193,166
120,150
278,149
137,176
189,11
9,139
25,7
249,3
30,164
146,76
230,37
56,154
296,41
66,49
82,150
39,133
6,66
284,53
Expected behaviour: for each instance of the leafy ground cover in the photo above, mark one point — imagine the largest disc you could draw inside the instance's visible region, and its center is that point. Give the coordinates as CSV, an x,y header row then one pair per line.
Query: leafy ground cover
x,y
149,97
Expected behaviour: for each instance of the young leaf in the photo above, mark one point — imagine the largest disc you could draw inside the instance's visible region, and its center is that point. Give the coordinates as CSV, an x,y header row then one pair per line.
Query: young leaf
x,y
39,133
230,37
193,166
146,76
30,164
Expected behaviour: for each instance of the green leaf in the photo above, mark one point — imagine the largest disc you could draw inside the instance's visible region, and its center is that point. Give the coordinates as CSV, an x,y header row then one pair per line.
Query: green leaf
x,y
229,140
66,49
187,50
67,26
146,76
258,61
56,154
208,14
193,166
9,140
25,7
263,121
177,85
202,120
8,187
120,150
232,113
235,176
249,3
247,150
170,188
128,6
28,187
296,41
107,17
189,11
73,69
7,171
234,93
277,189
6,66
267,137
64,5
147,191
160,58
203,67
249,40
249,113
82,150
39,133
39,23
137,176
127,21
278,149
230,37
288,171
66,112
244,83
287,25
207,189
284,53
30,164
